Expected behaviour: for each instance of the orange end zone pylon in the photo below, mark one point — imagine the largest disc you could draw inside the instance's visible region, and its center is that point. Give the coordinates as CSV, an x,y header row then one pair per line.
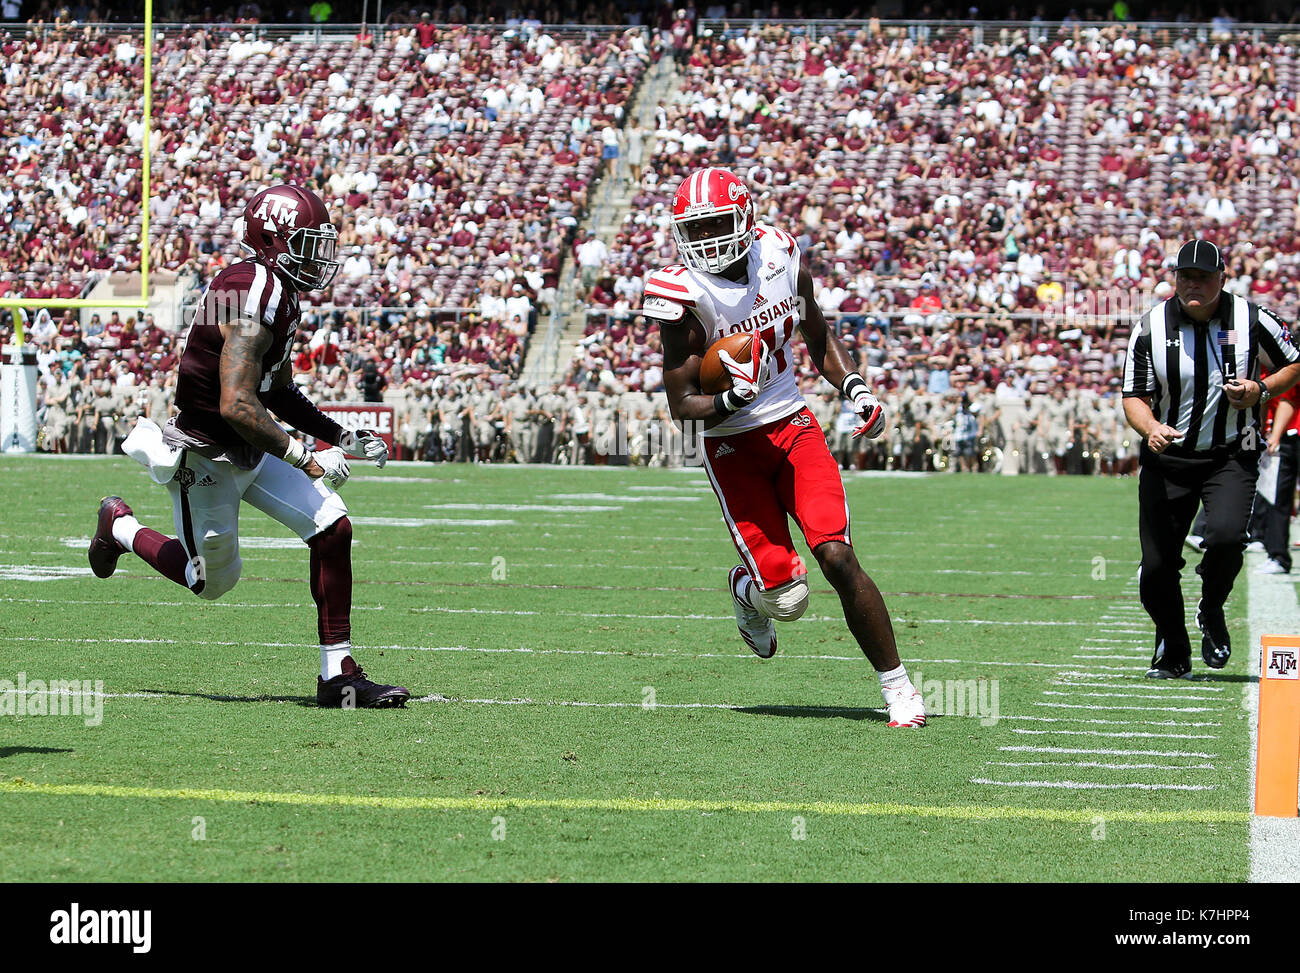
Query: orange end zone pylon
x,y
1277,767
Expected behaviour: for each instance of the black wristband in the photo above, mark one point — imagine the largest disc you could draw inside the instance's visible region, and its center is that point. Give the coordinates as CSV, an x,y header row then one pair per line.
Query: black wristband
x,y
721,406
851,383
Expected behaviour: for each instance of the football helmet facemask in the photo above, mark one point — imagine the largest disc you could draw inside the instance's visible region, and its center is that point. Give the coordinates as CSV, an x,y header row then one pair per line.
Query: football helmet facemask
x,y
289,228
721,198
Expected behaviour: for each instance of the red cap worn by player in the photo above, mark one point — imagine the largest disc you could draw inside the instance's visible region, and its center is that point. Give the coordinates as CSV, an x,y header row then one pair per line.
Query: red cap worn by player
x,y
288,228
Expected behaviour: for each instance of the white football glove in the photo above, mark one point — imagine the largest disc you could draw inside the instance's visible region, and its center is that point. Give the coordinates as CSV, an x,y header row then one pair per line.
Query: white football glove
x,y
365,444
335,464
867,406
748,377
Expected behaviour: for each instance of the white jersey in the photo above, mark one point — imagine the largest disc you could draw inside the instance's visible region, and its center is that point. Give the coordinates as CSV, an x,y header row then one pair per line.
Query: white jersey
x,y
766,303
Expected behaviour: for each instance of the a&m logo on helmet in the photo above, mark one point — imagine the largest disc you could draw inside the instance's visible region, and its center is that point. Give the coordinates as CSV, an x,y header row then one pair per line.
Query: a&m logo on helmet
x,y
280,211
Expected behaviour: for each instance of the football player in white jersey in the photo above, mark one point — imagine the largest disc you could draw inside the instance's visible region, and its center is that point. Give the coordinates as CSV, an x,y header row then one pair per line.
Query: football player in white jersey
x,y
765,454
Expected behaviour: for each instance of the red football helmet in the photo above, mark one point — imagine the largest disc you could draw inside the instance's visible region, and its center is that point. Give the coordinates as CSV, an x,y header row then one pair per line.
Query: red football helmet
x,y
708,194
289,228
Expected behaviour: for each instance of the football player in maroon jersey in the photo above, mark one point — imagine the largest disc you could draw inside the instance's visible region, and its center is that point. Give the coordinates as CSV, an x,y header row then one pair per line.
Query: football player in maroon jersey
x,y
223,448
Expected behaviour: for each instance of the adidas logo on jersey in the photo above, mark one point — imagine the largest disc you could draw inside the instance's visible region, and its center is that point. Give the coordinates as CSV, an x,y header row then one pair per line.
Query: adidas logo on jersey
x,y
724,450
759,301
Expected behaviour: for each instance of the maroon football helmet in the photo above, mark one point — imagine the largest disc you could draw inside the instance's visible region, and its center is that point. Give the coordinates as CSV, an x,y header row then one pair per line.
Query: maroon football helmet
x,y
288,228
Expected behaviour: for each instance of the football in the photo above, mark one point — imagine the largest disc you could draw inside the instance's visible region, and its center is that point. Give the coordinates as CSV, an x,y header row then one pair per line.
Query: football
x,y
713,376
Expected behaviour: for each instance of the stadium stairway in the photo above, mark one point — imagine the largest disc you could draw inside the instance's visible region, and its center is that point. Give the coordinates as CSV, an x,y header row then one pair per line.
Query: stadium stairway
x,y
549,359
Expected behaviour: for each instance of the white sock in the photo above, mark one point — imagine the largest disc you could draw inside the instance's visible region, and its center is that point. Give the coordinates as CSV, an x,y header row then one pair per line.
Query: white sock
x,y
331,659
124,531
895,679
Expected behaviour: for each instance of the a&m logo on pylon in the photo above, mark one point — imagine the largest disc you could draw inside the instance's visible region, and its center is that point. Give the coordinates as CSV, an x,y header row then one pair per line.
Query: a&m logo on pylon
x,y
1281,664
1277,758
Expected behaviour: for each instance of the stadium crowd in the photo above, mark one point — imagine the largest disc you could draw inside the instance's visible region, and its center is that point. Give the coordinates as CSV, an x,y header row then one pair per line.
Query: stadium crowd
x,y
984,214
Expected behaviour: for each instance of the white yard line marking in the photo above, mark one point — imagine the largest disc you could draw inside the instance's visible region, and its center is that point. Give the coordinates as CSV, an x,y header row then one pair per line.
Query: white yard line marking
x,y
1109,753
1126,733
1097,765
1100,722
525,650
1139,709
1273,607
1079,785
1057,692
192,603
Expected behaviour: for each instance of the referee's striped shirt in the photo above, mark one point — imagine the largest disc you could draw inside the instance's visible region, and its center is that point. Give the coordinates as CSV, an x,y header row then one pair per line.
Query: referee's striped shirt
x,y
1181,365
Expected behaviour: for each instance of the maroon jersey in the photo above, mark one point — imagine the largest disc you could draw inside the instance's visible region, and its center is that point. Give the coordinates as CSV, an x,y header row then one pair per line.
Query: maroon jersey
x,y
245,290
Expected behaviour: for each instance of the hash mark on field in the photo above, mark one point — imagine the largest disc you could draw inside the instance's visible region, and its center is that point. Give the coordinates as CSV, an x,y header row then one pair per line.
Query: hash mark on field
x,y
1022,748
1097,765
1143,709
1081,785
1057,692
1101,733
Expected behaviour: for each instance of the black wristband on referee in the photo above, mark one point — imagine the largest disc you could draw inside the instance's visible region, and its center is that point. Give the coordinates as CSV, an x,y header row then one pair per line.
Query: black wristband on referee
x,y
852,384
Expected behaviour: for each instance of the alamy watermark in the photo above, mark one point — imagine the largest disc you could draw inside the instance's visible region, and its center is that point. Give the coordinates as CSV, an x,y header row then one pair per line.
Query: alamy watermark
x,y
960,697
55,697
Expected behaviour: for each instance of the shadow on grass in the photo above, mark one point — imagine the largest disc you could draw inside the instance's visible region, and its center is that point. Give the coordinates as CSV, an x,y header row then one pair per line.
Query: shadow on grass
x,y
13,751
217,698
817,712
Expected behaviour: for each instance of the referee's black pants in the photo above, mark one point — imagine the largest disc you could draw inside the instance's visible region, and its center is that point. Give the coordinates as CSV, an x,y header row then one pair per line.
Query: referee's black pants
x,y
1170,487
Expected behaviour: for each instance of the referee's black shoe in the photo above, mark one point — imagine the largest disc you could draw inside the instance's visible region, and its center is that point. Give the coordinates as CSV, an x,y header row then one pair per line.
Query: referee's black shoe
x,y
1165,665
1215,645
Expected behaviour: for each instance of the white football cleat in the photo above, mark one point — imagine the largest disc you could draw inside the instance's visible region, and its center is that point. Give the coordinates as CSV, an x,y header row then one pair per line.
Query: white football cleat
x,y
906,708
1271,567
758,631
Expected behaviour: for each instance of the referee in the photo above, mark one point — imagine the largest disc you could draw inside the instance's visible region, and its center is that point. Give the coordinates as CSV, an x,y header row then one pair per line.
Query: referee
x,y
1193,393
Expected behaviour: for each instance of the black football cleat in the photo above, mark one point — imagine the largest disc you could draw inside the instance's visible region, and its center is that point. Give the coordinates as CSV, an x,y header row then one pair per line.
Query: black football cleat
x,y
352,690
104,548
1169,666
1216,648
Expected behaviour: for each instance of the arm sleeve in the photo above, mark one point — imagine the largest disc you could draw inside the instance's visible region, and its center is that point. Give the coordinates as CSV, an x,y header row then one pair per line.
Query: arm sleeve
x,y
1139,373
290,405
1273,339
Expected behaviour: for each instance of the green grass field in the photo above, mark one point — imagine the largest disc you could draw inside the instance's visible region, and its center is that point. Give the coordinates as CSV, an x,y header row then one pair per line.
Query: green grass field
x,y
586,710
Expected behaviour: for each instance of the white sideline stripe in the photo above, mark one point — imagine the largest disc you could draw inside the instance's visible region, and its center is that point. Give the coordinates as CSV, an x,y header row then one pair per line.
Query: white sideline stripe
x,y
1140,709
1110,753
1273,608
1097,765
1124,734
1131,695
1080,785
